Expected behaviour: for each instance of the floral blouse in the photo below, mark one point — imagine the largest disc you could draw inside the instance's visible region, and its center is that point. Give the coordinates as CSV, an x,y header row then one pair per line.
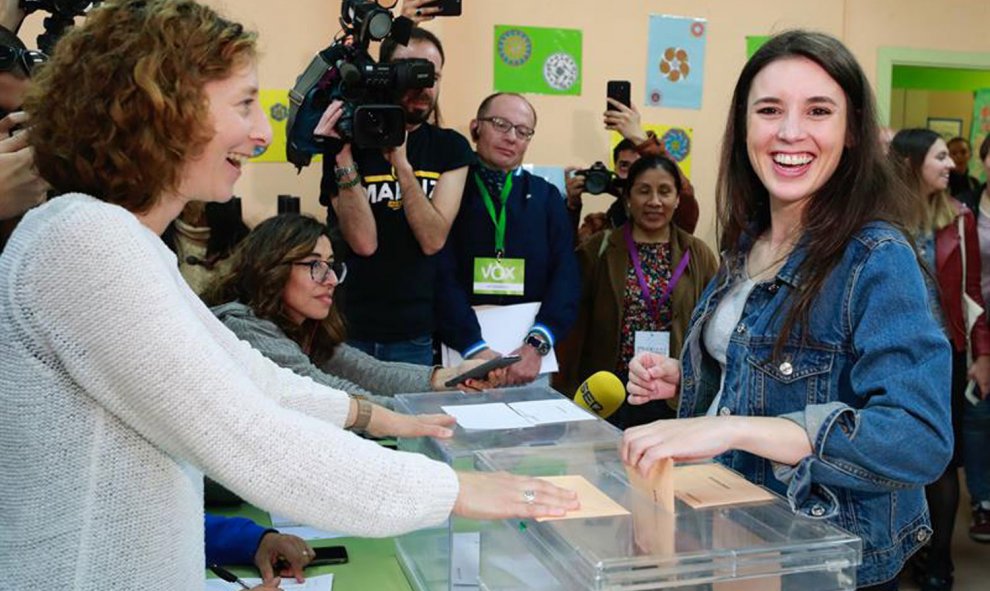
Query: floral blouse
x,y
655,258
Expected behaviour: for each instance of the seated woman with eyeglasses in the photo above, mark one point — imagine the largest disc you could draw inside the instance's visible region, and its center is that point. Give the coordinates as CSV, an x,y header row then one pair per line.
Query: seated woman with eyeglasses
x,y
278,296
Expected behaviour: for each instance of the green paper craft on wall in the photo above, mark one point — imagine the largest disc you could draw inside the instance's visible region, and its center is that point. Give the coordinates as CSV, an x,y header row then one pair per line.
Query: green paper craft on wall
x,y
537,60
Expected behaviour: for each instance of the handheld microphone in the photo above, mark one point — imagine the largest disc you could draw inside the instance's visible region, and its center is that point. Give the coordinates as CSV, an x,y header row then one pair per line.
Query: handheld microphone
x,y
602,394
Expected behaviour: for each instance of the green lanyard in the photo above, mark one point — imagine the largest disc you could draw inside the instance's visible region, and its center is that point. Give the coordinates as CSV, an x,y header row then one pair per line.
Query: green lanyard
x,y
490,206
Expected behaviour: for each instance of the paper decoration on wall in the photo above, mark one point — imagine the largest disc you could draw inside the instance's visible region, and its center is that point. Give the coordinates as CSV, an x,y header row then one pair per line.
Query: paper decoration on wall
x,y
537,60
979,130
677,141
754,42
275,104
675,65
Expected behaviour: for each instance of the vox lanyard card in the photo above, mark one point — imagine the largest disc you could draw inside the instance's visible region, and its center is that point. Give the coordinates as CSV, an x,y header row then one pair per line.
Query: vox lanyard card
x,y
493,276
652,341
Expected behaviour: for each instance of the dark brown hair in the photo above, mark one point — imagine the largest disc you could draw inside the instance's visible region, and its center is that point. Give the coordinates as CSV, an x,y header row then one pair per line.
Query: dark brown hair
x,y
121,105
260,268
863,187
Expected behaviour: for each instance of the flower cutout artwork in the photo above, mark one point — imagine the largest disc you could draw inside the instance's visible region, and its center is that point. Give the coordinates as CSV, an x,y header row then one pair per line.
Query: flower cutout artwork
x,y
677,143
674,64
560,71
514,47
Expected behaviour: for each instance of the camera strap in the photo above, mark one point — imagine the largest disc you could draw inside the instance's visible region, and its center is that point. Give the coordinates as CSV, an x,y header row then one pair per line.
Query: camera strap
x,y
653,307
498,220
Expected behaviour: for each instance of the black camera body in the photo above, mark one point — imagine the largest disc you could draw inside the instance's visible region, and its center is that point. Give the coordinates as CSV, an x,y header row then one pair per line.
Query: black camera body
x,y
369,91
62,12
599,179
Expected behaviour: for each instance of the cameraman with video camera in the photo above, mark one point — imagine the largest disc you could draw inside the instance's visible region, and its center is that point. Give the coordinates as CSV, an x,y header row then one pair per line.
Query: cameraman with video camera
x,y
393,207
635,143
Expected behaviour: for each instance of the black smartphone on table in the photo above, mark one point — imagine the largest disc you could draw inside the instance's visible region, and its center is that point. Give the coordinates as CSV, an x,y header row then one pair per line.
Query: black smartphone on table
x,y
329,555
482,370
449,7
619,90
324,556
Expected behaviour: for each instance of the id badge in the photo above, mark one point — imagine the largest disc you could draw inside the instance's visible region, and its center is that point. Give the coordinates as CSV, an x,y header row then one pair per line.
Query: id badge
x,y
499,276
652,341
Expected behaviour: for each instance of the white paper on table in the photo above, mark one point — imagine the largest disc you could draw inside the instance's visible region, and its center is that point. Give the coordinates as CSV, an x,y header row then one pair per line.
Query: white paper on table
x,y
292,527
516,415
554,410
314,583
504,328
494,415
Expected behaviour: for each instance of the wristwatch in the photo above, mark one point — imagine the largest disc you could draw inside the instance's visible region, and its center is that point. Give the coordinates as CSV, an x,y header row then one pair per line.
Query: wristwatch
x,y
538,342
344,171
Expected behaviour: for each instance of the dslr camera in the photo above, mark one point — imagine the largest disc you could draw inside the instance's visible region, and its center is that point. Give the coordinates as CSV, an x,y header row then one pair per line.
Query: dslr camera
x,y
369,91
62,13
599,179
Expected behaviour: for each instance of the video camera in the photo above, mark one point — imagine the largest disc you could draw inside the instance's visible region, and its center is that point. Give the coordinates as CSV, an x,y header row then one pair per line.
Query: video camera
x,y
63,13
599,179
369,90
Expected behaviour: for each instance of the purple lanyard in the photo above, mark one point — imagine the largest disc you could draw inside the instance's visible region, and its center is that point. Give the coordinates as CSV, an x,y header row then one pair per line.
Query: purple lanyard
x,y
654,307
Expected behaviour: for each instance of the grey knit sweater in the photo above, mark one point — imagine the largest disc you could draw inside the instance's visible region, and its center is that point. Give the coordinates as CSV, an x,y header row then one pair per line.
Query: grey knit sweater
x,y
349,369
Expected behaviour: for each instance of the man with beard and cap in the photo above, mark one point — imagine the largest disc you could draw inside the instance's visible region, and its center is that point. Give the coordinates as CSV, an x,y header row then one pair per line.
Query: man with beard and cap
x,y
390,212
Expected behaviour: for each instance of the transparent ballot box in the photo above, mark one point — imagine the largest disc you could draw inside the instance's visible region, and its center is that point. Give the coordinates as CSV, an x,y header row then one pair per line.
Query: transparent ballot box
x,y
747,546
447,557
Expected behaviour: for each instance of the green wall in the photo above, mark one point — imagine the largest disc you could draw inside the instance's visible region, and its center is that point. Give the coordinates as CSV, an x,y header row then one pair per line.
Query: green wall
x,y
930,78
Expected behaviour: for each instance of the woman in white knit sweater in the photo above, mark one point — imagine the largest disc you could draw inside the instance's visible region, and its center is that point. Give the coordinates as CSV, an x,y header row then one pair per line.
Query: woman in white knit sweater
x,y
119,388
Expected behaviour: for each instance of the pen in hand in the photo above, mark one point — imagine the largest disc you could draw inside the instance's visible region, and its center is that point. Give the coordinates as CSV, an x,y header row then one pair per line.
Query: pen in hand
x,y
227,575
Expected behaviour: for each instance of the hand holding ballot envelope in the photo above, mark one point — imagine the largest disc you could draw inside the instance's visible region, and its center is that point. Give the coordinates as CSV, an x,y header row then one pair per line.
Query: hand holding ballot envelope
x,y
500,495
652,377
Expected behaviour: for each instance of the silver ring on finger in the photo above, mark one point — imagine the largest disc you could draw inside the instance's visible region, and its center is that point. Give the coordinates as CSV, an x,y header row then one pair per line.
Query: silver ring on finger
x,y
529,496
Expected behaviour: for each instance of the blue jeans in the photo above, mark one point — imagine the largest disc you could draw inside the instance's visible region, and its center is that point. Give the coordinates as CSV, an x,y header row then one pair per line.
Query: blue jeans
x,y
418,350
976,442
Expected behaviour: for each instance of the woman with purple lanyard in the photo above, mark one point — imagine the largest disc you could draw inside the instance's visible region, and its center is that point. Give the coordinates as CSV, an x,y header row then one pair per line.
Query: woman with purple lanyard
x,y
640,283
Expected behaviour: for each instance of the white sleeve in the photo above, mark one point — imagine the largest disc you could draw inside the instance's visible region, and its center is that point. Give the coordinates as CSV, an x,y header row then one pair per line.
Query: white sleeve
x,y
99,293
283,385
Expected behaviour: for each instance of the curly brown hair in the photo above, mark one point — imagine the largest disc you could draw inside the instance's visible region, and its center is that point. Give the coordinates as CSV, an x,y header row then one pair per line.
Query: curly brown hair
x,y
121,105
259,270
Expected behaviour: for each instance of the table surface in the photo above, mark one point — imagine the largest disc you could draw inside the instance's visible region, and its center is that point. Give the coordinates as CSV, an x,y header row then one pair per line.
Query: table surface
x,y
372,563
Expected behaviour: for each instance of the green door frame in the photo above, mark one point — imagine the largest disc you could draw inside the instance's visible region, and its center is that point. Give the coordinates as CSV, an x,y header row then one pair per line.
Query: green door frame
x,y
888,57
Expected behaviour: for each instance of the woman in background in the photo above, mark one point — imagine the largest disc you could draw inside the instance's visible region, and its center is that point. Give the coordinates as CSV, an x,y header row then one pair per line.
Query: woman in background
x,y
640,283
948,230
278,296
976,417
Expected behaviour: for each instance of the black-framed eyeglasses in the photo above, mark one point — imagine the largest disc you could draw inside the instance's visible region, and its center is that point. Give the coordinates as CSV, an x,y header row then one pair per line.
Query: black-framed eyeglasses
x,y
320,270
505,126
26,59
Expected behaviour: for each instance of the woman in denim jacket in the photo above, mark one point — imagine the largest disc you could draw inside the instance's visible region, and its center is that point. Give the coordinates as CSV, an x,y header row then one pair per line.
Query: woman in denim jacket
x,y
923,159
813,364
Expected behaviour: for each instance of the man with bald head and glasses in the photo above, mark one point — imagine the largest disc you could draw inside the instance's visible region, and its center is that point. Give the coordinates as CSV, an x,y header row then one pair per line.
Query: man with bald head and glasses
x,y
511,243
